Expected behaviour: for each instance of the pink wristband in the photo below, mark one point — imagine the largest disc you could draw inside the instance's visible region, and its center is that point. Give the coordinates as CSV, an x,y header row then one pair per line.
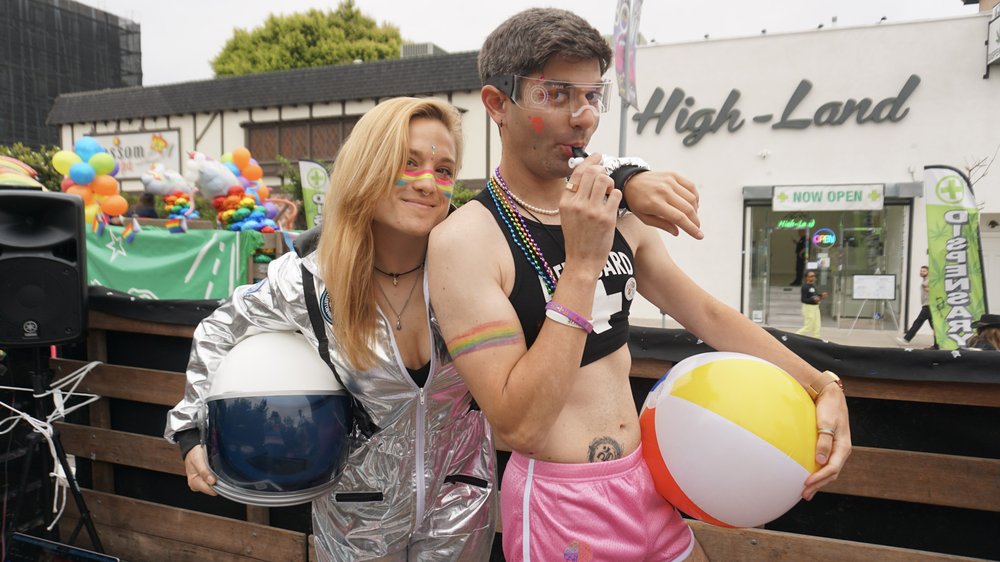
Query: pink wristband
x,y
567,313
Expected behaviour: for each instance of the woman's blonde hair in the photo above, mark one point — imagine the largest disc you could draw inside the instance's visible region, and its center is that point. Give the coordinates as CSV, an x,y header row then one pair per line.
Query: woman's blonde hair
x,y
986,334
366,169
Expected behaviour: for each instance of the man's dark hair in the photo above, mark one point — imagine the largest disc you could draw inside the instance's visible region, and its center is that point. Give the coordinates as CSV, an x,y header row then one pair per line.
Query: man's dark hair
x,y
526,41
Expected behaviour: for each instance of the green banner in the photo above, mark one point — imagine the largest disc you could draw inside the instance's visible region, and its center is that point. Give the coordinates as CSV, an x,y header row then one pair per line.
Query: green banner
x,y
956,287
159,264
315,180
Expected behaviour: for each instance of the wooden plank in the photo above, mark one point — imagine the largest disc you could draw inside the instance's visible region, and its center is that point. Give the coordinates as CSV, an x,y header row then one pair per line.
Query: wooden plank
x,y
212,532
119,447
140,547
926,478
937,392
258,515
105,321
964,394
149,386
102,475
774,546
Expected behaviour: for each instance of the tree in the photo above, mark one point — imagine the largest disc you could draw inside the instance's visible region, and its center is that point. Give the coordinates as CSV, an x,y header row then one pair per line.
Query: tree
x,y
315,38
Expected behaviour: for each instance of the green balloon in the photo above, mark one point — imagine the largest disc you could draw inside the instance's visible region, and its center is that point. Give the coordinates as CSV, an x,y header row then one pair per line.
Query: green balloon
x,y
102,163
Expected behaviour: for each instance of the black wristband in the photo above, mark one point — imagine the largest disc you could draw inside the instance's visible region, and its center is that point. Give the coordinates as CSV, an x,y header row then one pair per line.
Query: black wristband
x,y
621,176
187,439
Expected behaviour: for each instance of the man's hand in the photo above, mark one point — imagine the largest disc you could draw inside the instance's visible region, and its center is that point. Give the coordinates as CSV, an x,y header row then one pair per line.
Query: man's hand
x,y
831,450
200,477
665,200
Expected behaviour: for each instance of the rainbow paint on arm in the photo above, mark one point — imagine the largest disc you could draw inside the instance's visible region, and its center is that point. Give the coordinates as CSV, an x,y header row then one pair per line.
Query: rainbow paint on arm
x,y
484,336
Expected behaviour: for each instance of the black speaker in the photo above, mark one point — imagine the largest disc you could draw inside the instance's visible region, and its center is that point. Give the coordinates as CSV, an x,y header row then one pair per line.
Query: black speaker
x,y
43,269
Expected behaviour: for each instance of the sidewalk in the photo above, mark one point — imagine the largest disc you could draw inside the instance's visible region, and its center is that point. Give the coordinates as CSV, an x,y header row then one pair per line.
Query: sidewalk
x,y
843,336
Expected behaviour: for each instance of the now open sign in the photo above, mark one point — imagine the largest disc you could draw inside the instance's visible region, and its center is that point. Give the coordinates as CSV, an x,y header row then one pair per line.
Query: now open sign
x,y
869,197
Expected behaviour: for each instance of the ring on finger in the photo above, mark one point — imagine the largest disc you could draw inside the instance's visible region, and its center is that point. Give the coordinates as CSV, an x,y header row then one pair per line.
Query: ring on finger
x,y
571,187
826,431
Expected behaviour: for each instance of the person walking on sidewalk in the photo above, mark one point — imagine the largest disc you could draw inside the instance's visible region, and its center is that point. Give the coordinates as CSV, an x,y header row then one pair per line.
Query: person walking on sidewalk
x,y
811,298
925,311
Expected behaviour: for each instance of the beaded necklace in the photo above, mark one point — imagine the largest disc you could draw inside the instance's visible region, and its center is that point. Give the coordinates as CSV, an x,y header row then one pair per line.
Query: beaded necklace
x,y
515,224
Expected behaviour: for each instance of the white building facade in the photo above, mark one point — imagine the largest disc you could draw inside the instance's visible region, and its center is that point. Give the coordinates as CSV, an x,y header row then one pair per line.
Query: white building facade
x,y
841,111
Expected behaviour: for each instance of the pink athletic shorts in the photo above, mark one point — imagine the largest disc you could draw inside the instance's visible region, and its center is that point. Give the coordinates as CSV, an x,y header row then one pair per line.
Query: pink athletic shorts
x,y
589,512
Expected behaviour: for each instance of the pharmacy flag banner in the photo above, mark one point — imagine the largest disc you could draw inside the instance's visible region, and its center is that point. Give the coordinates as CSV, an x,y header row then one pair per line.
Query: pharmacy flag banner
x,y
315,179
957,295
159,264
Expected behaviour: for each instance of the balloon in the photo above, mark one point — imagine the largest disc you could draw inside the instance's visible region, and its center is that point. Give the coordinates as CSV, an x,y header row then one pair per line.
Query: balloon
x,y
253,172
102,162
66,183
82,173
233,168
90,211
226,157
263,192
241,157
86,147
104,185
115,170
83,192
115,205
271,209
712,408
62,161
244,182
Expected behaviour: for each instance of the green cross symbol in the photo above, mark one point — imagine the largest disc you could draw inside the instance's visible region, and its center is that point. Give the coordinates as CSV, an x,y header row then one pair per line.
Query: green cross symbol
x,y
874,195
950,190
782,196
315,178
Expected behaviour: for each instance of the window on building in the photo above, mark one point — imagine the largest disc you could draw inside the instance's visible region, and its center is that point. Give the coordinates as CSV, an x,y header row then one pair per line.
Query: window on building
x,y
318,140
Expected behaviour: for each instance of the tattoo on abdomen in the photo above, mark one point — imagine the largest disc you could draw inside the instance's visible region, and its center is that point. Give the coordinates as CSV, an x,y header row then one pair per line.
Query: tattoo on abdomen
x,y
604,449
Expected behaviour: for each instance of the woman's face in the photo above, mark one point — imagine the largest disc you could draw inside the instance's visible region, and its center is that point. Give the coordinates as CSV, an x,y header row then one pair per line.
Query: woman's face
x,y
422,192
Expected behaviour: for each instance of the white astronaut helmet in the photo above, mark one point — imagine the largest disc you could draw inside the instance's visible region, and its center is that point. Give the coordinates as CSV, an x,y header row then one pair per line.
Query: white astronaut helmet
x,y
277,423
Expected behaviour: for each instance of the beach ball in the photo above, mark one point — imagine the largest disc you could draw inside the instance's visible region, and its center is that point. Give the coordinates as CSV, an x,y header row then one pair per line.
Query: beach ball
x,y
729,438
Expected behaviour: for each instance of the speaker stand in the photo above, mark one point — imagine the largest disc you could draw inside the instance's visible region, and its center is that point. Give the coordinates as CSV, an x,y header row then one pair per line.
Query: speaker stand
x,y
40,379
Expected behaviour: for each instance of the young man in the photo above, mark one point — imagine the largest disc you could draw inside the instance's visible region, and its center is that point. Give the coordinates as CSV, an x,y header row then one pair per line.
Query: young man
x,y
532,284
811,297
925,311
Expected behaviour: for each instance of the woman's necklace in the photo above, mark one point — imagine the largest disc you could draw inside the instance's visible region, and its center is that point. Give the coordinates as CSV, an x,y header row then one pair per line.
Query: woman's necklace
x,y
399,314
519,201
396,276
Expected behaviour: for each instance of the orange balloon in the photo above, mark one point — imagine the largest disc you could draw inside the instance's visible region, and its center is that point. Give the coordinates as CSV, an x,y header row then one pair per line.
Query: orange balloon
x,y
252,172
241,157
115,205
105,185
263,192
84,192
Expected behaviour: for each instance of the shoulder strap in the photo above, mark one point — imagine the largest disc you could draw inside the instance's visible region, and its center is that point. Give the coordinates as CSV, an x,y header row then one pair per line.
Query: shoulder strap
x,y
361,417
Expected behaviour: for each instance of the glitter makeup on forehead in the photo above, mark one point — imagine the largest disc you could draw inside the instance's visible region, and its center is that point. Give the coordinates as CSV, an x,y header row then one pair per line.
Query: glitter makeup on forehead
x,y
446,186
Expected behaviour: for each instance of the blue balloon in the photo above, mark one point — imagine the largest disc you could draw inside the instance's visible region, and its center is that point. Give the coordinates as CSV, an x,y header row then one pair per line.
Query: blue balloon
x,y
85,147
82,173
250,225
233,168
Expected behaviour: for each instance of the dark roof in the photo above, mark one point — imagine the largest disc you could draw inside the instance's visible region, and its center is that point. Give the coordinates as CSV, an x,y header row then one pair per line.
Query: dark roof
x,y
382,79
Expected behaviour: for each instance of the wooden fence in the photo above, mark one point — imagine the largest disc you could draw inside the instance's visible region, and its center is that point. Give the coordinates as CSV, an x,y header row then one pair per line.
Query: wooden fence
x,y
139,530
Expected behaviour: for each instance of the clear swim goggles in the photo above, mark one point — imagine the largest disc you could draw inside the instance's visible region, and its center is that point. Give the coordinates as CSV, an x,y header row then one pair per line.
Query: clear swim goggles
x,y
553,95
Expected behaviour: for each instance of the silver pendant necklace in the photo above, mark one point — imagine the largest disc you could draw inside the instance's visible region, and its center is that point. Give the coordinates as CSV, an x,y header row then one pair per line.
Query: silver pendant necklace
x,y
399,314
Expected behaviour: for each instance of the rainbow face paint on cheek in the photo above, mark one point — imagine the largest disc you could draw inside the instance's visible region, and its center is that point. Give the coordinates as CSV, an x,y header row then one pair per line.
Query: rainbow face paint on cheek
x,y
484,336
446,186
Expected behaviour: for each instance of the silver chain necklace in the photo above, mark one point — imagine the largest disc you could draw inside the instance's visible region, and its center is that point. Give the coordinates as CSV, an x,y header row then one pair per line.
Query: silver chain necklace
x,y
399,315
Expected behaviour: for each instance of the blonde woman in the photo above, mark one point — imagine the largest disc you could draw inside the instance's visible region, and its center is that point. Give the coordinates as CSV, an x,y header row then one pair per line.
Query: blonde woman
x,y
422,487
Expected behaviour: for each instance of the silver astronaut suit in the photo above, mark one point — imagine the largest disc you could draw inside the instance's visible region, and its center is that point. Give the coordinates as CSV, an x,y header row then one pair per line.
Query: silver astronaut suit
x,y
423,488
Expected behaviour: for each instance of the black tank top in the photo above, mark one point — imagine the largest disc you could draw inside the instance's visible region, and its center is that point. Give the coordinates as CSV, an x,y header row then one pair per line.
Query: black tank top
x,y
613,294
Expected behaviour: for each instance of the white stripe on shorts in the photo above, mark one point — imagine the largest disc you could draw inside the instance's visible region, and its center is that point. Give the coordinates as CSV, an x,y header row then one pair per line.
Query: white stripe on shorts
x,y
526,514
